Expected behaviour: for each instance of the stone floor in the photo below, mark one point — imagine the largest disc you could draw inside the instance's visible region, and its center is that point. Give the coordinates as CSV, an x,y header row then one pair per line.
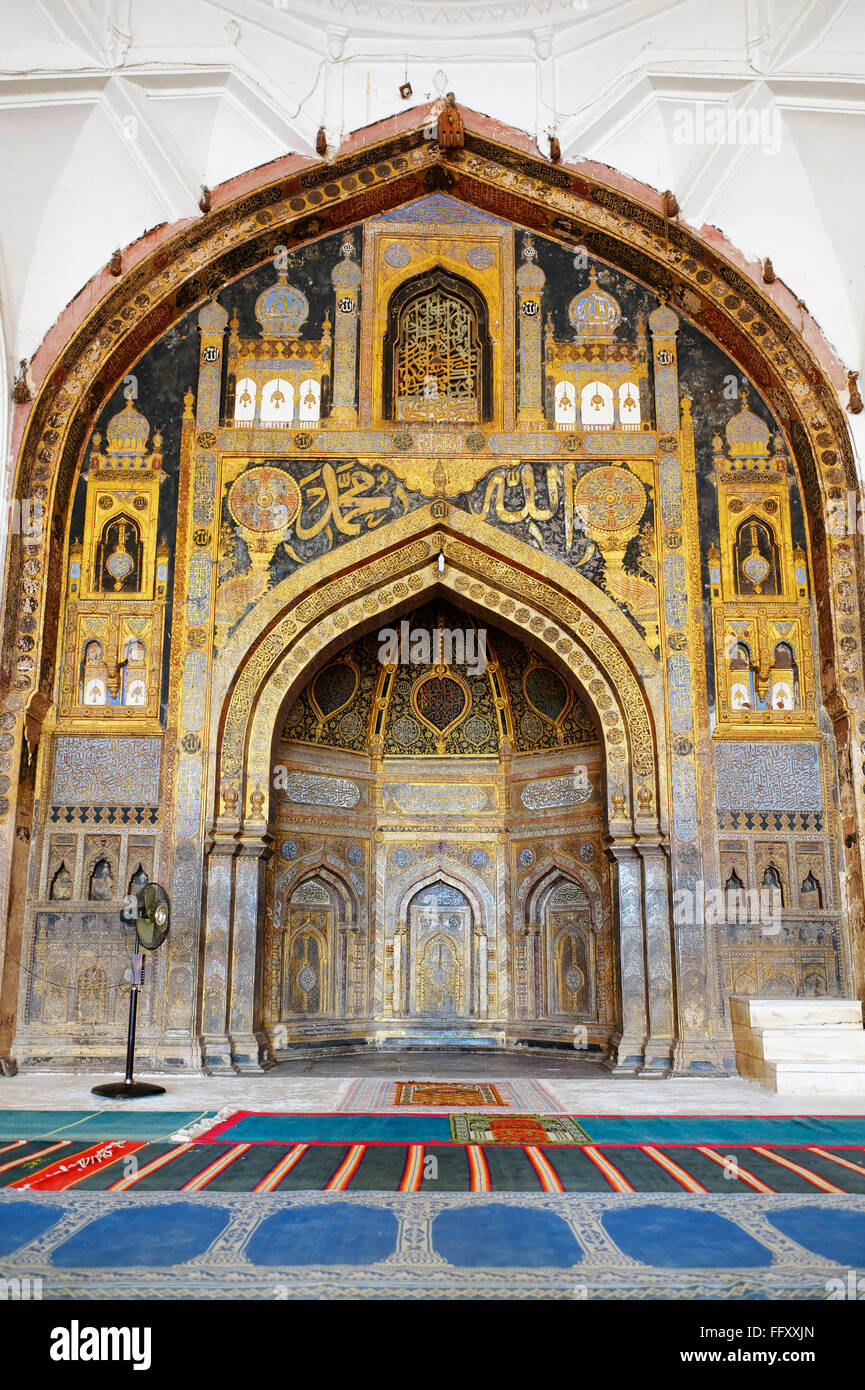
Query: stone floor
x,y
581,1087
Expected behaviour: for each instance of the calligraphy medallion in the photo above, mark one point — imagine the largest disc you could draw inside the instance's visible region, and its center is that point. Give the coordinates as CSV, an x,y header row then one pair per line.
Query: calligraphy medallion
x,y
610,499
264,499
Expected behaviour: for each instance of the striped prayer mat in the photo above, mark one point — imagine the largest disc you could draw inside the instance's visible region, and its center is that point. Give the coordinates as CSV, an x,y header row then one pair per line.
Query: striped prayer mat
x,y
41,1165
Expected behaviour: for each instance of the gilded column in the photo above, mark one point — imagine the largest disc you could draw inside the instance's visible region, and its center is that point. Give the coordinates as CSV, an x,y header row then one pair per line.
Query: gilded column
x,y
530,287
248,1042
659,963
520,970
215,1044
628,1052
537,970
345,278
482,974
397,996
683,643
192,634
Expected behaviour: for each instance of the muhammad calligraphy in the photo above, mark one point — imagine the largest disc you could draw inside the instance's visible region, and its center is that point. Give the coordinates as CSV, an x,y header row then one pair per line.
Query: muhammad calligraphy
x,y
303,512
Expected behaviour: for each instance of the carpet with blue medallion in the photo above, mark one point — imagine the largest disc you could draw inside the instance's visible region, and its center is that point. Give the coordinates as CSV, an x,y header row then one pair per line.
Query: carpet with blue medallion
x,y
124,1203
352,1245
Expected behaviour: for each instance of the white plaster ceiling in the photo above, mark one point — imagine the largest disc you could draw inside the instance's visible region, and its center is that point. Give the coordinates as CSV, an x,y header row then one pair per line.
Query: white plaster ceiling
x,y
113,113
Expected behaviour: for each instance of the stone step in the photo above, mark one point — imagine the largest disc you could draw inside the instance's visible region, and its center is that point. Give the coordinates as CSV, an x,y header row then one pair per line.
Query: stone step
x,y
794,1013
429,1041
801,1044
814,1078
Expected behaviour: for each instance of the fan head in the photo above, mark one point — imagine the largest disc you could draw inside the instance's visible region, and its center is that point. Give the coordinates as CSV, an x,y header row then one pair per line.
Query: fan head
x,y
154,916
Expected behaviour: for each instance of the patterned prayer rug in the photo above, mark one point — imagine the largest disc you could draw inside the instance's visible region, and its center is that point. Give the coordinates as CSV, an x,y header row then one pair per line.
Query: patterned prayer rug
x,y
446,1093
517,1129
379,1245
382,1096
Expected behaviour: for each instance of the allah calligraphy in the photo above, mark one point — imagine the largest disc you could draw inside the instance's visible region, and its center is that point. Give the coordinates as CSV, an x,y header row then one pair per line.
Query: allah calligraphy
x,y
600,523
516,495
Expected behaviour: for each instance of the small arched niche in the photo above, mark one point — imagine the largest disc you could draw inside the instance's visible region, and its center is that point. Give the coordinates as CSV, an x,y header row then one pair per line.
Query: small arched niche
x,y
437,351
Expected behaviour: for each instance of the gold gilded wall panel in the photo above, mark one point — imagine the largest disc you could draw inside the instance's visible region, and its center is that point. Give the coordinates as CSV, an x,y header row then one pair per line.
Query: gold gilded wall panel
x,y
221,711
477,250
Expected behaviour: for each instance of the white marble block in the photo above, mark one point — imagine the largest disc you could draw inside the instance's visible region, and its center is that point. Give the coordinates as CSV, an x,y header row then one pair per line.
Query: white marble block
x,y
800,1046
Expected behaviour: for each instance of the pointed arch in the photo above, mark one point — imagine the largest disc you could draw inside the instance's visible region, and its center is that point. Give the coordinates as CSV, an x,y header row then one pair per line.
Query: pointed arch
x,y
326,867
443,869
580,632
460,312
547,874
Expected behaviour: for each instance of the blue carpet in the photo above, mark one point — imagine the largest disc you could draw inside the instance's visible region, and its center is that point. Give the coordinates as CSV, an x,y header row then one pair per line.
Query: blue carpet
x,y
346,1129
497,1236
302,1245
826,1130
21,1222
153,1237
335,1235
836,1235
681,1239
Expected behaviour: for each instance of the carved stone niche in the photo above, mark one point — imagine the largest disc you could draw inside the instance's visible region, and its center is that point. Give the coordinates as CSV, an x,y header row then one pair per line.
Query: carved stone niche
x,y
810,876
772,860
734,863
139,862
60,877
101,868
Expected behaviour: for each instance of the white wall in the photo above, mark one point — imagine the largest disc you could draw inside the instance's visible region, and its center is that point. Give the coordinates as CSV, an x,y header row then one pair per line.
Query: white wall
x,y
113,113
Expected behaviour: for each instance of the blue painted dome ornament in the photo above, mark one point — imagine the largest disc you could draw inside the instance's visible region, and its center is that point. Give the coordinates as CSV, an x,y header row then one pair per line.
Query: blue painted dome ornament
x,y
594,313
346,274
281,310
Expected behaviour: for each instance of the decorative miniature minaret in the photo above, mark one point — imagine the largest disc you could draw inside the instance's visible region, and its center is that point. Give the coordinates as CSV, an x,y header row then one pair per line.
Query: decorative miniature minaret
x,y
118,578
345,277
530,287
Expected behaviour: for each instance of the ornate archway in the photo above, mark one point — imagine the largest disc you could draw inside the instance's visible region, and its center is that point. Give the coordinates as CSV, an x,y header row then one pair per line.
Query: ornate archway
x,y
282,646
171,272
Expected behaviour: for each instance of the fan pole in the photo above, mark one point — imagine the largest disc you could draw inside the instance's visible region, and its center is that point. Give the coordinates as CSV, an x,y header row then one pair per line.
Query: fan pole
x,y
127,1088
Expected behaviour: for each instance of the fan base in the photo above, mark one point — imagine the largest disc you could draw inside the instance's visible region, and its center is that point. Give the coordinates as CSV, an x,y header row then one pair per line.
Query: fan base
x,y
127,1090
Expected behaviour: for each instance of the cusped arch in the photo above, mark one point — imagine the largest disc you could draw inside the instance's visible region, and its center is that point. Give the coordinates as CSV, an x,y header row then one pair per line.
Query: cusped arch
x,y
325,866
549,871
437,279
443,869
578,629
